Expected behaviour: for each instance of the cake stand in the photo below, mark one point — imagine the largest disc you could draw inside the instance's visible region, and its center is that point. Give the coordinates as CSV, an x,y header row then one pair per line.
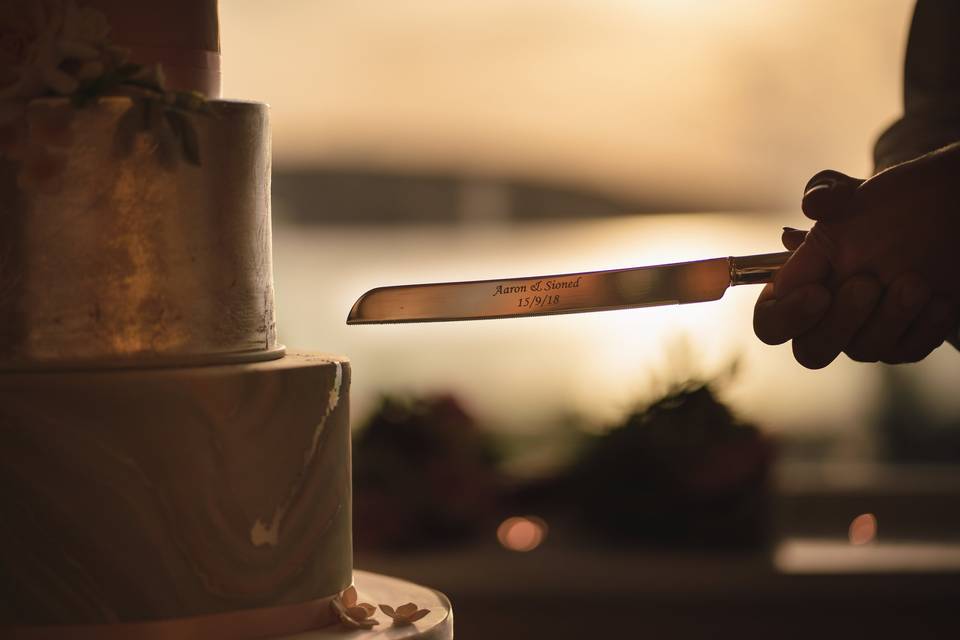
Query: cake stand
x,y
376,589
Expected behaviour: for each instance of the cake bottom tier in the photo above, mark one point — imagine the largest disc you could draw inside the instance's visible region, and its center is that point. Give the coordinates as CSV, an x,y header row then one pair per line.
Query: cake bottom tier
x,y
138,495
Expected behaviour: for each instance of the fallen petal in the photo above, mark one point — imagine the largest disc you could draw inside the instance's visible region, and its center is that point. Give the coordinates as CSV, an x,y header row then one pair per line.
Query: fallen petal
x,y
418,615
349,596
401,622
367,623
387,609
357,613
406,609
358,622
369,608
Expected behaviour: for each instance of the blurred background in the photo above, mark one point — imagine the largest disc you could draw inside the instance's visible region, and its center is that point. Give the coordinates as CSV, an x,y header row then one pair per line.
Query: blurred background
x,y
423,140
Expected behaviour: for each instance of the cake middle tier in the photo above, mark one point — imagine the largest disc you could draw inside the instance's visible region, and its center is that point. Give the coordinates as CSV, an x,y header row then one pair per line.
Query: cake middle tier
x,y
142,495
133,233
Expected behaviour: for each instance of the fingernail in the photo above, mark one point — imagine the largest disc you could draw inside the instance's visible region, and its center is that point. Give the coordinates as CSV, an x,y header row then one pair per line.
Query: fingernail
x,y
827,179
820,188
820,200
827,192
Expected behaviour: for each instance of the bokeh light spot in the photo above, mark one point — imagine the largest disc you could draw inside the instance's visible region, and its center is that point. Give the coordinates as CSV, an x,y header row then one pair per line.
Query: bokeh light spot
x,y
863,529
522,533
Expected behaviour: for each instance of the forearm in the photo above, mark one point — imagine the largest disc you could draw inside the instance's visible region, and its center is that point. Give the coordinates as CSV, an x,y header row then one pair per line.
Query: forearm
x,y
931,87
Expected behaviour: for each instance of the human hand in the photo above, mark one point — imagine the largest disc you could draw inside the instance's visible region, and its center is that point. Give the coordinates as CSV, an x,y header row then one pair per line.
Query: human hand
x,y
893,231
857,317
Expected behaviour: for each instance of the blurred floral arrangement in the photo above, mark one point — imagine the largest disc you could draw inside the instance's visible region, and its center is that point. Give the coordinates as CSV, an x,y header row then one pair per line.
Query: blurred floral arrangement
x,y
424,474
682,471
54,48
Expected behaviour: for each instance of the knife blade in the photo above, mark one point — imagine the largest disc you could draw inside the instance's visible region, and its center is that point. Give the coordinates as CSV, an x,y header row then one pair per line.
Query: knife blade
x,y
665,284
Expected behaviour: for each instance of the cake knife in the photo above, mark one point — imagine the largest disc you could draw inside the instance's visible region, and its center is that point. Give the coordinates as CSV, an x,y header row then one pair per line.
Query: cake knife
x,y
665,284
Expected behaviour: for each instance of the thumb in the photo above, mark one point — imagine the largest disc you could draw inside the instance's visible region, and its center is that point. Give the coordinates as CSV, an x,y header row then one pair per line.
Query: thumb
x,y
828,194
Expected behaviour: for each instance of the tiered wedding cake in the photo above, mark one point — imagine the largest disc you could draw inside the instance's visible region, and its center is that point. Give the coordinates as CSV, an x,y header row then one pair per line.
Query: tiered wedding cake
x,y
164,467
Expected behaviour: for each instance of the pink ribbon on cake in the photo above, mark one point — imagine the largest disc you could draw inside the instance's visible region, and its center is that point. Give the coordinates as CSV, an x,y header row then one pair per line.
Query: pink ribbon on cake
x,y
249,624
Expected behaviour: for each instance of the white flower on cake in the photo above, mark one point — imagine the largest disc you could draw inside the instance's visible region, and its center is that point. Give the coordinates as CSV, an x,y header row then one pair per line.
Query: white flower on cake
x,y
51,46
352,613
404,614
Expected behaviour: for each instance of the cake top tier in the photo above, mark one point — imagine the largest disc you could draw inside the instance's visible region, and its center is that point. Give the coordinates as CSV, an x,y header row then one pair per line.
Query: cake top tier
x,y
181,35
54,47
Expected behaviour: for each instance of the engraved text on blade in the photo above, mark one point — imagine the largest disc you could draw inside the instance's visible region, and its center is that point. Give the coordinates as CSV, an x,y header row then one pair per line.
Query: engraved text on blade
x,y
540,285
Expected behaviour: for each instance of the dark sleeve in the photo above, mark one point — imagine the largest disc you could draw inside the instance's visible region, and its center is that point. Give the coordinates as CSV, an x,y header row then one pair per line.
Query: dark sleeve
x,y
931,86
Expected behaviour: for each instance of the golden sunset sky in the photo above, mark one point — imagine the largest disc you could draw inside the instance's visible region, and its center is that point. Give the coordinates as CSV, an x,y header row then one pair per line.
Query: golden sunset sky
x,y
738,102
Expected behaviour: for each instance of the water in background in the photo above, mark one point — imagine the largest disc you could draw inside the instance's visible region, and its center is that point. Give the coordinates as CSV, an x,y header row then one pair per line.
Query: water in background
x,y
524,375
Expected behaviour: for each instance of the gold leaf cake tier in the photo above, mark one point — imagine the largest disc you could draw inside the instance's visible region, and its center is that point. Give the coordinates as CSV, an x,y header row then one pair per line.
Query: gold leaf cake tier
x,y
133,237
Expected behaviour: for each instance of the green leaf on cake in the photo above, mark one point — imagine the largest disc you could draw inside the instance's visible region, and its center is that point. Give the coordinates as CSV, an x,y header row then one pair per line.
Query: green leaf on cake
x,y
104,84
183,129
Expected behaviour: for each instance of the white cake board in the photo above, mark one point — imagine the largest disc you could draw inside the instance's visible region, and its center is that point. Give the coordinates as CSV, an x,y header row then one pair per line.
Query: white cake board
x,y
377,589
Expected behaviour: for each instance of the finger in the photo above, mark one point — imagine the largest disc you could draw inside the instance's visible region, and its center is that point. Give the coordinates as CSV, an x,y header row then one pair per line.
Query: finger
x,y
776,321
792,238
938,166
902,303
811,262
853,304
937,321
828,194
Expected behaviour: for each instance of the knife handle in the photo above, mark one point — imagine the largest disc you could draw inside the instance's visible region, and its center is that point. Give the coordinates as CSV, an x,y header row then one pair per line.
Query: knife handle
x,y
756,269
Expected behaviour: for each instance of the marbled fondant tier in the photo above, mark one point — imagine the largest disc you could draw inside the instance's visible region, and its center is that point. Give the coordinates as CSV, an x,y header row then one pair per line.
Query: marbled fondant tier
x,y
162,493
132,237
